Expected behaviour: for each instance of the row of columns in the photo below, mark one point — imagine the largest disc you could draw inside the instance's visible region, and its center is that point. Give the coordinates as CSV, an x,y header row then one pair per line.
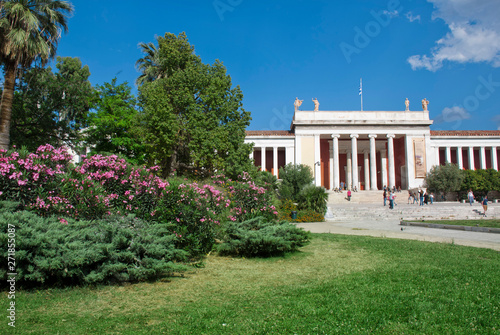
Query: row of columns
x,y
288,157
370,163
470,151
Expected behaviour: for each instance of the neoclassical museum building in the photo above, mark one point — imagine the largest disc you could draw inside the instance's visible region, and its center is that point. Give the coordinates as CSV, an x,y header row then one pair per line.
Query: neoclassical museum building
x,y
370,149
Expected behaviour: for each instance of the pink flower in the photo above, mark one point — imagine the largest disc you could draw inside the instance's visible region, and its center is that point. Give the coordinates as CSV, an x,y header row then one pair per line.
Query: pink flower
x,y
63,221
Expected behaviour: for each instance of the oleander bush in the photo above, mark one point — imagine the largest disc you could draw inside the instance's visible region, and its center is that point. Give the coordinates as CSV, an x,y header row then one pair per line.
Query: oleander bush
x,y
259,237
52,251
247,199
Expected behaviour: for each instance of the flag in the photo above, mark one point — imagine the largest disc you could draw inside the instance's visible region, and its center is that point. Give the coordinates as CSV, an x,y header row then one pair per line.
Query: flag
x,y
360,87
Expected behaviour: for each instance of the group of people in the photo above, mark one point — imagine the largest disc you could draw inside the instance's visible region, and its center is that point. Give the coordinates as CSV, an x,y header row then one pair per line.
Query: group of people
x,y
484,201
389,195
422,195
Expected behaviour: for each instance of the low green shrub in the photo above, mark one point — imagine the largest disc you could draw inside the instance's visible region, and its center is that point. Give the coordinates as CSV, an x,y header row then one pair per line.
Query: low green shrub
x,y
293,179
51,251
258,237
313,198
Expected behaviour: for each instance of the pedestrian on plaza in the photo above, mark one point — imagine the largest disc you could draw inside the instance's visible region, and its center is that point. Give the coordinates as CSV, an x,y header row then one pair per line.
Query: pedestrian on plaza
x,y
341,185
485,204
385,196
470,196
426,198
421,196
415,198
410,197
349,195
391,201
431,197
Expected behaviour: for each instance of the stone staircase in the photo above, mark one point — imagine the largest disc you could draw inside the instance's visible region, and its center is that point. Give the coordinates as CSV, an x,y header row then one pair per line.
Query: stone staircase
x,y
366,205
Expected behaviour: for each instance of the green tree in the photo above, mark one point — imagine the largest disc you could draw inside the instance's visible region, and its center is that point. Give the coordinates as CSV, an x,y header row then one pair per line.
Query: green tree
x,y
193,118
29,31
51,107
293,179
114,127
444,178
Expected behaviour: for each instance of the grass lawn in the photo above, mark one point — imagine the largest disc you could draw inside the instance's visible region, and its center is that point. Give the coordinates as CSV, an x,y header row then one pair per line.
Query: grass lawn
x,y
336,285
494,223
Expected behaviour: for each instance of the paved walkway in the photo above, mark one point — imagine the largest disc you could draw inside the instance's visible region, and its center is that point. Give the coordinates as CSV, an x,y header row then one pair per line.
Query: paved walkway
x,y
390,228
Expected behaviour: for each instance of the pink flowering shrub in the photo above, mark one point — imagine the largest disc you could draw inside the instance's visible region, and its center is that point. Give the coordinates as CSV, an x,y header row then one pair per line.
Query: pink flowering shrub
x,y
247,199
25,176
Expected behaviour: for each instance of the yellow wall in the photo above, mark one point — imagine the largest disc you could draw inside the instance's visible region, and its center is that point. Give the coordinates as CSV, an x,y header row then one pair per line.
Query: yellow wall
x,y
307,145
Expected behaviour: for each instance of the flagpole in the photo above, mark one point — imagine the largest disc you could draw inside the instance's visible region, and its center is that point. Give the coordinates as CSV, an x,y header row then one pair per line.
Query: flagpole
x,y
361,91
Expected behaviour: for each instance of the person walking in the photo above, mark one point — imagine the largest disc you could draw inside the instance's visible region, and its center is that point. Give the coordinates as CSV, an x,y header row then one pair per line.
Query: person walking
x,y
385,196
391,200
470,195
421,196
485,204
349,195
431,197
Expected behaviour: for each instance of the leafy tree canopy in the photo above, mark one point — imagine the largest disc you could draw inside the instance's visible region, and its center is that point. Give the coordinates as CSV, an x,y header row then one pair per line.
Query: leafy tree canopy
x,y
114,127
51,107
444,178
193,117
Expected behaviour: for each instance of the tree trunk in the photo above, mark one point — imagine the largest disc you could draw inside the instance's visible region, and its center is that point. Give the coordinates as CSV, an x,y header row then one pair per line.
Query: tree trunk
x,y
6,106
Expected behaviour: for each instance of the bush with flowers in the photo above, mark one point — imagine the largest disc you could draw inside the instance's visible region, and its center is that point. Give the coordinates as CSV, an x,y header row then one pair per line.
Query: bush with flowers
x,y
248,200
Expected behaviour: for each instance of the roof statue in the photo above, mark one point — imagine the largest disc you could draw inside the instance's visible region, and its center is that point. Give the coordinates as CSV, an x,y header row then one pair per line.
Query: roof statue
x,y
425,103
316,104
297,103
407,104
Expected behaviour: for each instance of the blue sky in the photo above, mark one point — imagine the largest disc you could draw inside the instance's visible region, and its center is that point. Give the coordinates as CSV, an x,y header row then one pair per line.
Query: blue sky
x,y
447,51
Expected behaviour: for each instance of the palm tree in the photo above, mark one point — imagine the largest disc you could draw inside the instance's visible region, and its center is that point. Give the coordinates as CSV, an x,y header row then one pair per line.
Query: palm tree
x,y
149,65
29,31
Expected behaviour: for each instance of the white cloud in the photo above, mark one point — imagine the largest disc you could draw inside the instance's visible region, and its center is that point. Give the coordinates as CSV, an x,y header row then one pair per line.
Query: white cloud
x,y
455,114
412,18
474,34
496,119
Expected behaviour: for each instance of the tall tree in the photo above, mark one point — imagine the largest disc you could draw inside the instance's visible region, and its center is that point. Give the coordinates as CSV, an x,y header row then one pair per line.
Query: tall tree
x,y
194,120
114,127
29,31
51,107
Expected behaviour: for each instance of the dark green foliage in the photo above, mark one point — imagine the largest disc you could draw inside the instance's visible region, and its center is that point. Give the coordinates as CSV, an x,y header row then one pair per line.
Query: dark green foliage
x,y
53,252
51,108
313,198
444,178
193,119
294,178
260,238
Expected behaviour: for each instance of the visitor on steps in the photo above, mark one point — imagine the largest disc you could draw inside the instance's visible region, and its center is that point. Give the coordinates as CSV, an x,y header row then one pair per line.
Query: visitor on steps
x,y
391,200
349,195
485,204
385,196
470,195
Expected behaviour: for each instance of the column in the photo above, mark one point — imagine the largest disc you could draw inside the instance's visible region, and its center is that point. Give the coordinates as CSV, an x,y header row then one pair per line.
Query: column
x,y
289,155
275,161
354,148
482,158
390,149
317,160
373,162
447,154
460,160
263,159
367,170
383,163
349,170
330,156
494,160
335,165
471,158
252,153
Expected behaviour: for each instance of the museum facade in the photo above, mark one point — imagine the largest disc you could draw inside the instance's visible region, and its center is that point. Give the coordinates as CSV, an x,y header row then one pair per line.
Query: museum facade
x,y
369,149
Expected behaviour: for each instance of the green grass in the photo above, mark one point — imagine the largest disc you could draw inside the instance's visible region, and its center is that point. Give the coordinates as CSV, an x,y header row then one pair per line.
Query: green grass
x,y
493,223
336,285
